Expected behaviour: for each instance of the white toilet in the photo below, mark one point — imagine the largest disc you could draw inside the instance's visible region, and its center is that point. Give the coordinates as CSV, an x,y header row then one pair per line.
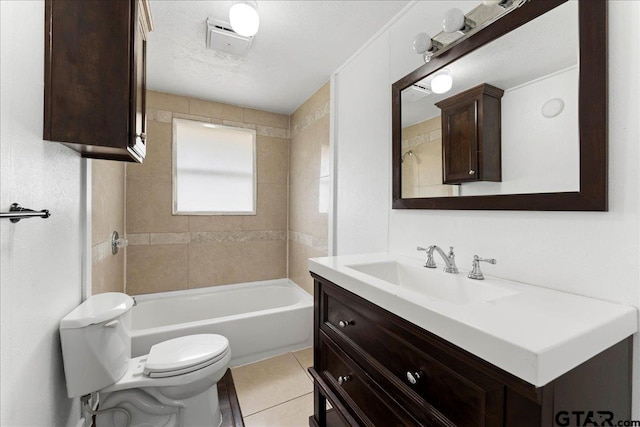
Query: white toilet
x,y
174,385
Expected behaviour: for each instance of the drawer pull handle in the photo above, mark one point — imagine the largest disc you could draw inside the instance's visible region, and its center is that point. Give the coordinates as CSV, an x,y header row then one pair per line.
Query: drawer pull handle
x,y
345,323
413,377
343,379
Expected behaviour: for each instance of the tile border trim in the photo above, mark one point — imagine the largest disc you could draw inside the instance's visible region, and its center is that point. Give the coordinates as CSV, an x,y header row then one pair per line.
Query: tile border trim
x,y
144,239
314,242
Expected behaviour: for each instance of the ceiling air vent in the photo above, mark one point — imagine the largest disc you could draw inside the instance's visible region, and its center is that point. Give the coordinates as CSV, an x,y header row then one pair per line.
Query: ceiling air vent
x,y
222,38
415,92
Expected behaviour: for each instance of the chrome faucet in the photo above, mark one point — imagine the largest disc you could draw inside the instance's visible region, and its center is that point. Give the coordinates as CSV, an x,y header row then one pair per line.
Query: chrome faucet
x,y
449,259
475,272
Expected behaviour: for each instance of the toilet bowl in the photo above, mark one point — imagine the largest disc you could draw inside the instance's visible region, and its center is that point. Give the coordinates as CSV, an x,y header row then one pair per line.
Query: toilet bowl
x,y
174,385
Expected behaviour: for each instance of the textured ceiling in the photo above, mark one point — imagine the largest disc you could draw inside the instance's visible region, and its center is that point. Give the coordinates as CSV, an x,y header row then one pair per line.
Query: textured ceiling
x,y
298,46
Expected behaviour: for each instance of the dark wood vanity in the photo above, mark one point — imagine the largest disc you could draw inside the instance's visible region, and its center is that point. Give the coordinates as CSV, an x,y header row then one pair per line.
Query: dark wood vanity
x,y
95,76
377,369
471,134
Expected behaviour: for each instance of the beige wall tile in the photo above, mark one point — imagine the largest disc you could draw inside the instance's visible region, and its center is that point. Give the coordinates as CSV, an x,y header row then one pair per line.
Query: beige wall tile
x,y
430,166
215,222
107,202
216,110
107,275
193,117
158,159
270,382
138,239
272,209
295,412
166,101
149,207
217,246
156,268
316,100
159,115
297,200
170,238
267,260
239,124
213,264
266,118
272,131
273,159
299,266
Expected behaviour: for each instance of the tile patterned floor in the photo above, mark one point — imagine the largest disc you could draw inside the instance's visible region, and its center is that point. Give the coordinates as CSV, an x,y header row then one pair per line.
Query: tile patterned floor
x,y
276,392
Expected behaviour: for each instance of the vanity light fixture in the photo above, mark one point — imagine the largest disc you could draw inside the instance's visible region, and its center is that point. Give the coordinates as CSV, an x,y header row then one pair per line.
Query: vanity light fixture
x,y
243,17
442,82
456,26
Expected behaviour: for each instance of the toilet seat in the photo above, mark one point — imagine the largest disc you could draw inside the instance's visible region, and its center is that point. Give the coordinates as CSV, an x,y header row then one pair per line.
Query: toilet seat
x,y
186,354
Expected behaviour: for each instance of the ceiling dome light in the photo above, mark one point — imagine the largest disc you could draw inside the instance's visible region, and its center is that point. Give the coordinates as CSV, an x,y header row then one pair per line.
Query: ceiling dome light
x,y
243,17
442,82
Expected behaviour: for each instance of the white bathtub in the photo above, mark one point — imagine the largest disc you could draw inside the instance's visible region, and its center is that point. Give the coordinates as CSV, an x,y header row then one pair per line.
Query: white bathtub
x,y
260,319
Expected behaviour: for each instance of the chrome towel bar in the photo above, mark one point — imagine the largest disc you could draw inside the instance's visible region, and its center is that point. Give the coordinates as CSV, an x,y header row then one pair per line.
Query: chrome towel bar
x,y
17,212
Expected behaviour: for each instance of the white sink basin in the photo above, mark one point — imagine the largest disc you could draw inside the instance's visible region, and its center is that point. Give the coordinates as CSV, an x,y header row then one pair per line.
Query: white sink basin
x,y
532,332
434,283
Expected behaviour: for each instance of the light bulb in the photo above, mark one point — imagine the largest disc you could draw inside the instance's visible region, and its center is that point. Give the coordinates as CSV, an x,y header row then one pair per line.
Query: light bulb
x,y
453,20
421,43
442,82
244,19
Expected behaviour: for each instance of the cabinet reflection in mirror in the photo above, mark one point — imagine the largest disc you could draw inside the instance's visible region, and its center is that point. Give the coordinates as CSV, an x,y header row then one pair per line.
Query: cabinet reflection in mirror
x,y
535,65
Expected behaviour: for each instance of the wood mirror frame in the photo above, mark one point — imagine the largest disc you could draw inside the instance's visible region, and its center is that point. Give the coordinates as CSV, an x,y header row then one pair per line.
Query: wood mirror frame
x,y
592,107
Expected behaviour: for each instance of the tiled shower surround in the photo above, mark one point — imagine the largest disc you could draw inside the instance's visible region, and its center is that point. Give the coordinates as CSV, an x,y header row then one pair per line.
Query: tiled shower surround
x,y
107,216
422,168
309,185
173,252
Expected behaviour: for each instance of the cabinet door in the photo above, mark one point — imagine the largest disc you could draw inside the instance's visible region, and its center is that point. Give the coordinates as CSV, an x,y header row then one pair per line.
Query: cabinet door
x,y
460,143
138,136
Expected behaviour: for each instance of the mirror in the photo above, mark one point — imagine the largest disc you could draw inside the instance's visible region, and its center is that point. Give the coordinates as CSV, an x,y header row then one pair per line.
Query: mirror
x,y
550,147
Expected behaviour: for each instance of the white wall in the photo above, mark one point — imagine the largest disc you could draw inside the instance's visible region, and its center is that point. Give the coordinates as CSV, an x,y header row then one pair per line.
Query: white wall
x,y
40,260
593,254
362,157
539,154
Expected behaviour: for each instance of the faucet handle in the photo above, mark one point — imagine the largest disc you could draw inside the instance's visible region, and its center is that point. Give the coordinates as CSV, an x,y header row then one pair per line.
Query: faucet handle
x,y
475,272
429,263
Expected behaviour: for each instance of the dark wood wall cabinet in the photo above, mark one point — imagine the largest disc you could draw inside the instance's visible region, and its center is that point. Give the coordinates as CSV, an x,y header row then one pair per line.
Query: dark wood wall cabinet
x,y
95,82
377,369
471,129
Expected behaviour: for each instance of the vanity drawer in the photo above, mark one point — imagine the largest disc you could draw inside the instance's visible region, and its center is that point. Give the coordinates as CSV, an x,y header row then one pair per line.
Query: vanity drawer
x,y
396,358
369,404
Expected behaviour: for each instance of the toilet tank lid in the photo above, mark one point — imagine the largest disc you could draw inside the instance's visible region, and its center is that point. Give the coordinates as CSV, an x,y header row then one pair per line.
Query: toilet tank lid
x,y
97,309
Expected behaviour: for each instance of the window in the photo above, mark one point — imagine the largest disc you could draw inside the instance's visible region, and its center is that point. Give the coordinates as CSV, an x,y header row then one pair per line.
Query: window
x,y
214,169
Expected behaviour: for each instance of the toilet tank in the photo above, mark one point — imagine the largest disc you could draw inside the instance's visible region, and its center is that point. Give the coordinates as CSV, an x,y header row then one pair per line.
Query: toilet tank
x,y
96,343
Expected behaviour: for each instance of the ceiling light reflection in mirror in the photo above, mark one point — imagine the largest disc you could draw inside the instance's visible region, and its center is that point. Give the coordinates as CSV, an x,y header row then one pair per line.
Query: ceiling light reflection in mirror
x,y
536,65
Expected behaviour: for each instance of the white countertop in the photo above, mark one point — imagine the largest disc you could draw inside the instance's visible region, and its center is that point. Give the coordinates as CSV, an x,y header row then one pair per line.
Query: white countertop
x,y
534,333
